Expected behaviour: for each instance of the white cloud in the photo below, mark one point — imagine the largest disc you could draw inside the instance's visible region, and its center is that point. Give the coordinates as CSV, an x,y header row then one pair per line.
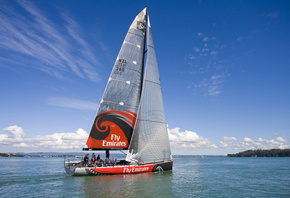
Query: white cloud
x,y
191,140
196,49
178,140
21,145
51,47
16,131
55,141
210,71
246,139
229,138
205,39
215,85
249,143
72,103
199,34
281,139
213,53
188,139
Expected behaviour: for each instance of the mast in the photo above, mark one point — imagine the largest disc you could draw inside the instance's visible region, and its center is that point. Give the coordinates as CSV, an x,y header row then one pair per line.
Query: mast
x,y
144,51
116,116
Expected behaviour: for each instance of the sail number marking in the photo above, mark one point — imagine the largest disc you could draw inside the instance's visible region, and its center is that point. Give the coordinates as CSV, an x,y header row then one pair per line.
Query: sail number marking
x,y
120,66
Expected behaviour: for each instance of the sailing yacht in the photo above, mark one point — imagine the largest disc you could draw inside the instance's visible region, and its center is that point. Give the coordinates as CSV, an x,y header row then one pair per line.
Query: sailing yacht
x,y
131,113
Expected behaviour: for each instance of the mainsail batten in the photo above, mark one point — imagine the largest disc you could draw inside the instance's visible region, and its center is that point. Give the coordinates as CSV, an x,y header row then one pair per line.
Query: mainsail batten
x,y
122,93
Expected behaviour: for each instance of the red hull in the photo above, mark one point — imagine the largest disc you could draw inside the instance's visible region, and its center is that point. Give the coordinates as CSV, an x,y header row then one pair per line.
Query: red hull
x,y
124,169
73,169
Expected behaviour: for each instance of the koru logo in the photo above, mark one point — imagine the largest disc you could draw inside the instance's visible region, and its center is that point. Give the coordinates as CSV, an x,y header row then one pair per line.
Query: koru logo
x,y
140,26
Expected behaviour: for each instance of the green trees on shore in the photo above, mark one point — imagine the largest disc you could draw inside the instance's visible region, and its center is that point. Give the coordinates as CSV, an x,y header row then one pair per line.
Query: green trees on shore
x,y
263,153
10,155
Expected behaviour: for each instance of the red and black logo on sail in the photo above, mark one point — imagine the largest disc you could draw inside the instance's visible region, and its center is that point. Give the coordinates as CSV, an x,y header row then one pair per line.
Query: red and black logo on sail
x,y
112,129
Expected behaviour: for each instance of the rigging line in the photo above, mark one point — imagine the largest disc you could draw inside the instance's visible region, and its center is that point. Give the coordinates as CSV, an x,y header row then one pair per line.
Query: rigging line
x,y
123,152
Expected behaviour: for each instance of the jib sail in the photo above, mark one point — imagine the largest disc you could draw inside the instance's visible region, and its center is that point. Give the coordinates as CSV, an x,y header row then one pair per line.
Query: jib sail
x,y
150,142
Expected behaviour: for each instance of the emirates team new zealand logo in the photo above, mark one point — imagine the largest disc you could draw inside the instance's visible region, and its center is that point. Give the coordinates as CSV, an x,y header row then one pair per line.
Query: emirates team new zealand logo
x,y
140,26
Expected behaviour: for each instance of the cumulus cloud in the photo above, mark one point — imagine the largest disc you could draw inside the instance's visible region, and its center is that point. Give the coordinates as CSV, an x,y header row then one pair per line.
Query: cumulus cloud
x,y
179,139
191,140
188,139
248,143
19,139
229,138
281,139
16,131
246,139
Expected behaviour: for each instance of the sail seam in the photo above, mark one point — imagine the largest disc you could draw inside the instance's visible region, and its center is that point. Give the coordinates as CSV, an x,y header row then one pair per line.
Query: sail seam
x,y
110,102
134,62
118,103
133,70
122,80
151,46
151,121
132,44
131,61
135,33
152,82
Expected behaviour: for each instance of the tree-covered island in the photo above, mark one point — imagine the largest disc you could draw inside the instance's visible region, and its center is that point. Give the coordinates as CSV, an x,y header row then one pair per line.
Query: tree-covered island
x,y
263,153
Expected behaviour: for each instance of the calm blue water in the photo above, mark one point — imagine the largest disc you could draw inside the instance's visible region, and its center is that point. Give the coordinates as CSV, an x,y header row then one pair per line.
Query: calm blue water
x,y
191,177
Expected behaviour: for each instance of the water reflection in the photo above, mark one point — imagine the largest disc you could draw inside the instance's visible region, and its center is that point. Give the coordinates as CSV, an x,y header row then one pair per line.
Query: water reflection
x,y
137,185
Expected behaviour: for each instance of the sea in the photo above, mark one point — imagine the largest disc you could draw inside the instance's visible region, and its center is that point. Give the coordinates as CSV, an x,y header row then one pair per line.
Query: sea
x,y
190,177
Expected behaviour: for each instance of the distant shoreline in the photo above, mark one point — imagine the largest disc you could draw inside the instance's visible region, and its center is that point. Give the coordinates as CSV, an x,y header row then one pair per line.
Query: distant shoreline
x,y
263,153
29,155
248,153
53,154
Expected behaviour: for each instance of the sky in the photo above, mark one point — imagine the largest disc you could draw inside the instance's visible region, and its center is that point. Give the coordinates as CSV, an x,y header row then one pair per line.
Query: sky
x,y
224,69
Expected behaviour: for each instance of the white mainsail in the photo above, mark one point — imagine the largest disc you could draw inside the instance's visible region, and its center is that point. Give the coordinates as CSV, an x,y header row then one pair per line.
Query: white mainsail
x,y
150,142
113,125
